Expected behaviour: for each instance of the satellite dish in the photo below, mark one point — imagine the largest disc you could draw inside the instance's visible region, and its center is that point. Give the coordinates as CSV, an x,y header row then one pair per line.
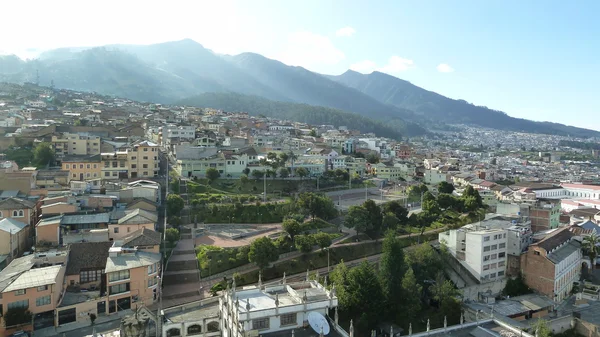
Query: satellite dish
x,y
318,321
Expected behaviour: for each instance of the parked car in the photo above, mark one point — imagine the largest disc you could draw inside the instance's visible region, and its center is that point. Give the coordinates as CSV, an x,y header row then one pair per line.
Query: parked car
x,y
20,333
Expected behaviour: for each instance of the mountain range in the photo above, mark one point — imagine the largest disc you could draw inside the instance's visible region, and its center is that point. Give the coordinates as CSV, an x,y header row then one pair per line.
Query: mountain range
x,y
185,71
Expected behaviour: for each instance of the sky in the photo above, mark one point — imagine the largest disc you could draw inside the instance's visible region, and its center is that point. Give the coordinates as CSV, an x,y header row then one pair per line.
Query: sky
x,y
532,59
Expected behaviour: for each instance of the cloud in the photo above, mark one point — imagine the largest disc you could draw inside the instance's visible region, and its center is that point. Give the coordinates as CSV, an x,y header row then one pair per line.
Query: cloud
x,y
396,64
444,68
308,50
346,31
365,67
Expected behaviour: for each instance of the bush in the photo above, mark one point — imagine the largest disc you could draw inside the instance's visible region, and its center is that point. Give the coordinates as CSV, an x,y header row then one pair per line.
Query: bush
x,y
213,260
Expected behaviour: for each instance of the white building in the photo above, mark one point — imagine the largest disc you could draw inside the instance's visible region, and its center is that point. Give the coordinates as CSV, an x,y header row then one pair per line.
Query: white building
x,y
256,310
485,253
434,177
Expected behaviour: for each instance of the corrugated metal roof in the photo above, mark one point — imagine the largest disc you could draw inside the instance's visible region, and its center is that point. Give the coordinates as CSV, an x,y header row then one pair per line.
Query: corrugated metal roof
x,y
11,225
129,261
35,278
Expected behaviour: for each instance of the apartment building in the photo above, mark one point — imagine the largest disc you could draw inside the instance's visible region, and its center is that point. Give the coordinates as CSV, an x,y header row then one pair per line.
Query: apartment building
x,y
76,144
82,167
551,265
481,248
22,210
139,160
545,214
25,287
14,239
132,276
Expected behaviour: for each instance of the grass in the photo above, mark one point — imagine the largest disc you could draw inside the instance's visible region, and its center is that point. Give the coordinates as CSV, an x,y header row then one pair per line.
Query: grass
x,y
213,260
360,237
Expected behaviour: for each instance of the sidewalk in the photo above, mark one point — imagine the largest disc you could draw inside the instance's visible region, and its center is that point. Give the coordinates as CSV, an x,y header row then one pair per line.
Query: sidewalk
x,y
58,331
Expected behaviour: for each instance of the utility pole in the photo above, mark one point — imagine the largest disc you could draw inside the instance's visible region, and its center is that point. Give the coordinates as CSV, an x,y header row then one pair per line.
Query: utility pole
x,y
265,187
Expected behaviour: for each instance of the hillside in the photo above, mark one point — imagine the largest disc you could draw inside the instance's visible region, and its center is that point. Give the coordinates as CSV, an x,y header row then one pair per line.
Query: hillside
x,y
435,107
305,113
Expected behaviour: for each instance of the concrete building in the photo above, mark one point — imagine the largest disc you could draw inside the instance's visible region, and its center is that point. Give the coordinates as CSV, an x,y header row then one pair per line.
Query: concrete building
x,y
274,310
551,265
82,167
75,144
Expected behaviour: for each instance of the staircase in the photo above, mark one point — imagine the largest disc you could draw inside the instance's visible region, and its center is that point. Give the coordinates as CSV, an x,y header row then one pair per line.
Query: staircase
x,y
182,276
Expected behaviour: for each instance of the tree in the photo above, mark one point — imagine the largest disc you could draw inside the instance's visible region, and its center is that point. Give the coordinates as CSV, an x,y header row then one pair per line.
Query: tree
x,y
175,204
313,133
375,217
446,294
470,203
257,174
471,192
246,171
302,172
43,154
372,158
389,222
262,252
292,227
292,156
590,246
516,287
357,218
398,210
411,296
271,173
283,158
391,271
446,201
93,318
212,174
172,235
445,187
362,294
540,328
317,205
283,172
322,239
431,207
244,179
424,261
304,243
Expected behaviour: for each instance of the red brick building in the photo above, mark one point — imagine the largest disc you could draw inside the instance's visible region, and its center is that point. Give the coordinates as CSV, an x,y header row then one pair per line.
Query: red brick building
x,y
550,266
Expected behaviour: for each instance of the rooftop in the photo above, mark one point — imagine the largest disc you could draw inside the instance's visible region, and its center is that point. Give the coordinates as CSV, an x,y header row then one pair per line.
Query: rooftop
x,y
564,252
71,298
15,203
87,256
124,261
138,216
14,269
33,278
142,237
12,226
96,158
555,239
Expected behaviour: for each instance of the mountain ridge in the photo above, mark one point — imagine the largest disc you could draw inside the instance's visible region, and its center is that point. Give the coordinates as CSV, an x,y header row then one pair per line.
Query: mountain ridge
x,y
171,71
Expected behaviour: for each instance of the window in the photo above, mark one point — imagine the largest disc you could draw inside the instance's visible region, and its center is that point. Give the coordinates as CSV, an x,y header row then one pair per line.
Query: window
x,y
486,267
89,166
493,275
107,174
74,175
118,275
152,268
504,236
115,174
133,158
42,288
81,166
486,258
44,300
494,256
486,238
128,229
494,247
119,288
116,230
95,175
87,175
145,157
152,281
501,255
89,276
145,149
502,245
145,173
493,266
95,165
19,292
495,237
501,264
133,166
486,248
145,166
260,324
67,166
500,273
18,304
536,253
288,319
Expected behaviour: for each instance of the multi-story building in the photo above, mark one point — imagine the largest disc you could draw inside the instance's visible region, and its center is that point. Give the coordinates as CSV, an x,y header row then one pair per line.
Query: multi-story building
x,y
551,265
480,248
82,167
545,214
76,144
22,210
139,160
275,310
14,237
434,177
24,287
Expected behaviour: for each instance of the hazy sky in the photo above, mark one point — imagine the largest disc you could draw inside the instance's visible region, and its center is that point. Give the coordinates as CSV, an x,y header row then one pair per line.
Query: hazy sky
x,y
533,59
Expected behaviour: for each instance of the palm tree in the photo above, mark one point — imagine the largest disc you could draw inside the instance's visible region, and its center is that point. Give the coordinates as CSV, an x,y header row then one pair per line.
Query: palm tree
x,y
292,156
590,245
